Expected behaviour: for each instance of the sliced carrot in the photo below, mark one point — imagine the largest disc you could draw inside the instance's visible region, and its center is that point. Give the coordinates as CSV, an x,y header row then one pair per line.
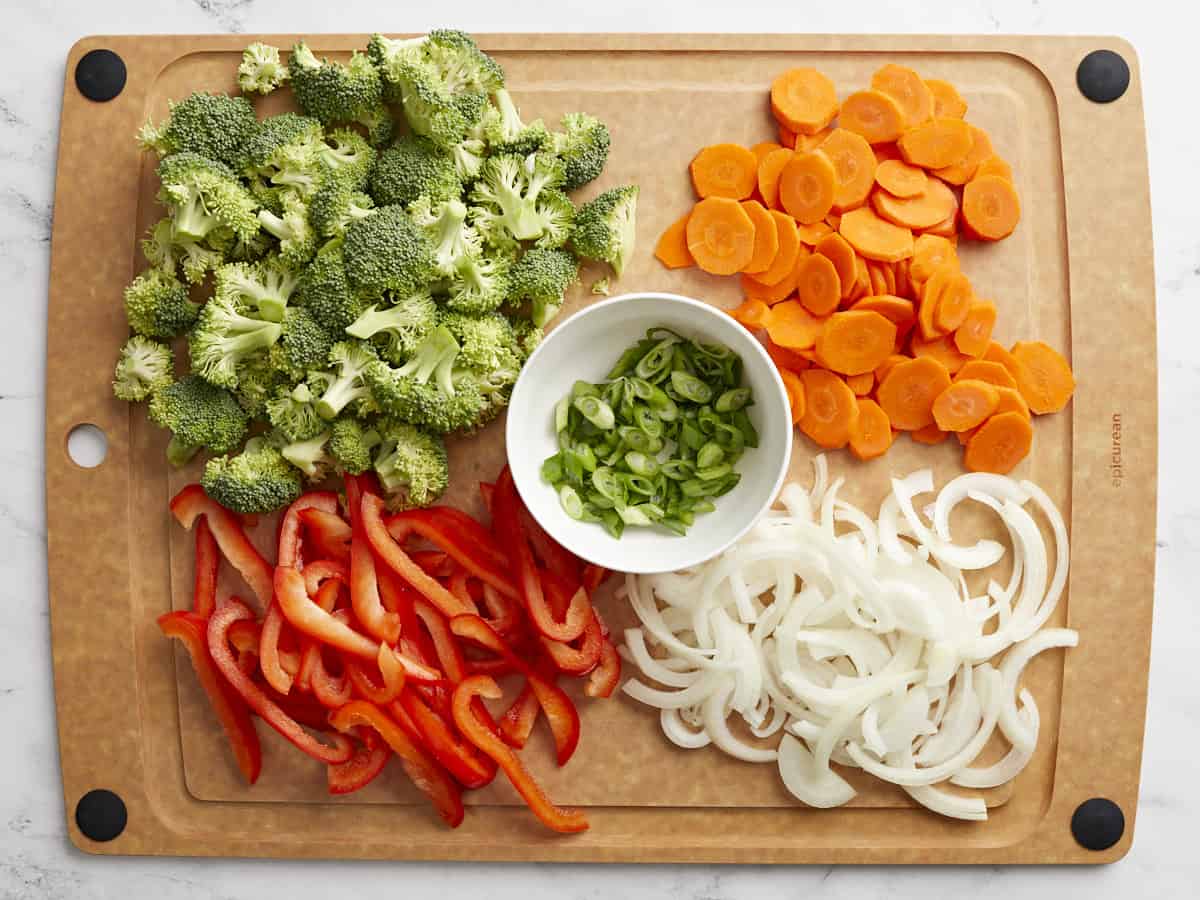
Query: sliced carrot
x,y
1010,401
812,234
804,100
789,248
907,392
953,304
991,372
947,228
785,358
862,384
720,235
793,327
766,237
831,409
894,309
724,170
787,137
1000,443
769,168
818,286
994,165
941,349
855,341
996,353
947,101
964,405
975,332
806,187
769,294
931,293
900,179
902,271
885,152
1044,377
752,313
874,238
762,148
879,285
930,252
862,282
990,207
930,434
854,164
887,365
806,143
962,172
889,278
874,115
672,249
936,144
871,435
842,255
905,86
795,391
834,220
926,209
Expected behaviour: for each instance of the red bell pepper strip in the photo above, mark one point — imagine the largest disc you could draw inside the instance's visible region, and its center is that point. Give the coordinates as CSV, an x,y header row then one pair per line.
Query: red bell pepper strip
x,y
252,694
607,674
270,659
364,590
432,562
445,647
465,763
208,558
399,598
192,502
394,664
461,538
289,526
574,661
425,773
328,532
504,611
593,577
518,720
390,553
318,572
307,617
457,585
552,555
191,630
304,708
363,767
245,641
507,518
330,690
566,821
365,685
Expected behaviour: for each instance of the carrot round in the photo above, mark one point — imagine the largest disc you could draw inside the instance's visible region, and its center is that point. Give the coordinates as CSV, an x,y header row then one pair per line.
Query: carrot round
x,y
887,365
854,165
990,207
855,341
953,304
931,293
1010,401
769,168
975,332
766,237
963,171
886,151
861,384
806,187
804,100
833,220
787,137
762,148
672,249
895,309
900,179
907,392
930,252
793,327
994,165
905,86
789,250
947,101
991,372
842,255
818,286
785,358
862,282
935,204
936,144
889,278
964,405
874,238
720,235
941,349
874,115
831,409
752,313
871,435
769,294
902,271
930,434
995,352
795,391
947,228
879,285
1044,378
724,170
999,444
812,234
806,143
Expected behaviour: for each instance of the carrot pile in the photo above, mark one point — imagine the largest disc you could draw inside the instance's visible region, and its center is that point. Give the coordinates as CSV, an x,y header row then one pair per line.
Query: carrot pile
x,y
845,234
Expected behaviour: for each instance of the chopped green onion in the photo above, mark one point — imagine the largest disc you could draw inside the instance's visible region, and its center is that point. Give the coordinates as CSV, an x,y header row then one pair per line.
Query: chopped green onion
x,y
732,400
596,411
571,503
710,454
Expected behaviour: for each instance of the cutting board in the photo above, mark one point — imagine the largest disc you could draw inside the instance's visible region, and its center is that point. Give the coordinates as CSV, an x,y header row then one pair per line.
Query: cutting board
x,y
1077,273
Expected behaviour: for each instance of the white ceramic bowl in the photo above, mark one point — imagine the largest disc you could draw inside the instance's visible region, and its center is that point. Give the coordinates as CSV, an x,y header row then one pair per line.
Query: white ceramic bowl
x,y
585,347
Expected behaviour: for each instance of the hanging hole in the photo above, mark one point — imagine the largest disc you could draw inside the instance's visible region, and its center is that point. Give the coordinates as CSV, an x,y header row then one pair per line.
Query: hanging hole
x,y
87,446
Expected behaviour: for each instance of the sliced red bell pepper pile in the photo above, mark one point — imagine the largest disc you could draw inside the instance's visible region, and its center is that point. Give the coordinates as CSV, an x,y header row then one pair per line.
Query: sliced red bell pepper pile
x,y
368,761
208,561
192,502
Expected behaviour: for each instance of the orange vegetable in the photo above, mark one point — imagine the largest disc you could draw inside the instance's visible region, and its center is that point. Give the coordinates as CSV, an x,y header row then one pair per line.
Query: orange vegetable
x,y
902,271
793,327
942,349
812,234
806,187
990,207
672,249
874,238
964,405
879,285
947,102
936,144
818,285
795,391
925,210
895,309
874,115
871,435
720,235
947,228
862,384
831,409
787,137
854,165
862,282
842,255
975,332
905,86
991,372
1010,401
889,277
785,358
994,165
1044,378
885,152
766,237
752,313
999,444
806,143
996,353
769,168
855,341
888,364
724,170
930,434
931,292
962,172
804,100
930,252
789,250
833,220
769,294
907,392
761,149
953,304
900,179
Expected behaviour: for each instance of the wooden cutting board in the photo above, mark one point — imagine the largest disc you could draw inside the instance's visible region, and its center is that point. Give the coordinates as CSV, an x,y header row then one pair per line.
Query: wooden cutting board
x,y
1077,273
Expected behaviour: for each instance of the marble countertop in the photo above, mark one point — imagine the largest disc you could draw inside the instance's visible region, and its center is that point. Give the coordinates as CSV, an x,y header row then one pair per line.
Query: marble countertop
x,y
37,861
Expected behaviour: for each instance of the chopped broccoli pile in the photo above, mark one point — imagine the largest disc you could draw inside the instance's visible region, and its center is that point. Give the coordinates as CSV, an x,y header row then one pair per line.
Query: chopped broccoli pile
x,y
360,276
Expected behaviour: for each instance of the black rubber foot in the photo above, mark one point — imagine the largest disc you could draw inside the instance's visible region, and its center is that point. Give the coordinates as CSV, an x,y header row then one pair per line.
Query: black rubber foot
x,y
101,815
100,75
1097,824
1103,76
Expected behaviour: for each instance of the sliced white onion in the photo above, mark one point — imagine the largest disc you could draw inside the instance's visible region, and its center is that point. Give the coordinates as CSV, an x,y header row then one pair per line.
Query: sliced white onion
x,y
680,734
1017,732
822,788
1014,761
953,806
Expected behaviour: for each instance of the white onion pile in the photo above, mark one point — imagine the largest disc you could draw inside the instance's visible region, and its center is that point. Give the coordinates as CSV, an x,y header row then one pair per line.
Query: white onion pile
x,y
869,651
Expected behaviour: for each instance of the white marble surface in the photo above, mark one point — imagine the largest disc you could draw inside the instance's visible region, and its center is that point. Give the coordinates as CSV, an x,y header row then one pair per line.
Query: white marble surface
x,y
35,858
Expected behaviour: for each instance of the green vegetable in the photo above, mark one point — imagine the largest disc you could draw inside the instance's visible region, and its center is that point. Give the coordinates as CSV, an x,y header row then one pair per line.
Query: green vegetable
x,y
211,125
143,367
198,414
411,464
157,305
261,70
606,228
414,167
257,480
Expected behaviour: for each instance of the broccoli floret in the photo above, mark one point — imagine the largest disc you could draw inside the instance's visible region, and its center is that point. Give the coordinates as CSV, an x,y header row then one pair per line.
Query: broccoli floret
x,y
324,290
304,344
378,122
297,240
198,414
490,349
505,132
385,252
168,251
446,229
351,444
583,146
601,286
480,282
606,227
333,92
428,390
349,156
204,195
261,70
212,125
143,367
157,305
402,326
344,385
257,480
462,65
543,277
311,456
292,411
468,158
528,336
557,215
412,465
335,204
224,337
267,286
285,150
414,167
258,378
505,198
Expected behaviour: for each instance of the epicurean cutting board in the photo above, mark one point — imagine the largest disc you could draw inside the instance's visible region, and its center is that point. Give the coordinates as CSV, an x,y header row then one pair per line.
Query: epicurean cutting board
x,y
133,721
